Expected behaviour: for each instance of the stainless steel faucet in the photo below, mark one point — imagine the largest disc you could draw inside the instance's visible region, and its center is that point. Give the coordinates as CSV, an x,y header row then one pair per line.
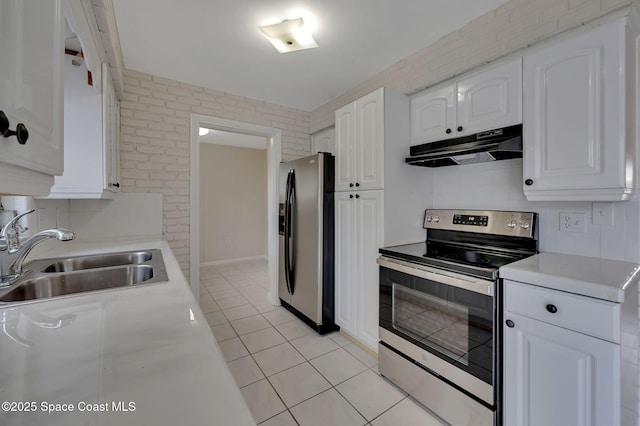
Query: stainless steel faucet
x,y
13,254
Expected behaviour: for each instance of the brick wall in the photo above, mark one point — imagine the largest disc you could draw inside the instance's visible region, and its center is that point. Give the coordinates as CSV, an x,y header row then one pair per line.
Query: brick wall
x,y
155,141
513,26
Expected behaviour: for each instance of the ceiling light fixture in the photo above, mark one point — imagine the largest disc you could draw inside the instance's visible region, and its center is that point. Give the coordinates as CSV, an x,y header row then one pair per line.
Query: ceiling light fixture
x,y
203,131
289,35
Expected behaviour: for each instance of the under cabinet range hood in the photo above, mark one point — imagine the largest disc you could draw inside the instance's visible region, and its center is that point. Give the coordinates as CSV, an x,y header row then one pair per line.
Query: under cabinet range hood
x,y
492,145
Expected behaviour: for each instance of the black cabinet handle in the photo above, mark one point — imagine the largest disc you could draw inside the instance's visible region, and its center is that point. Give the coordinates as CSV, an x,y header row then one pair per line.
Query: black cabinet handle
x,y
551,308
447,131
21,132
357,196
528,182
117,185
459,128
510,324
350,195
357,184
350,185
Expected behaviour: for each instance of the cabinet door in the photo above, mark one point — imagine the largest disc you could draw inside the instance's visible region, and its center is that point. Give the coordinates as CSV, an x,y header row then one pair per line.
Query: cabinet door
x,y
345,262
324,141
370,141
31,82
345,148
433,115
553,376
111,133
574,115
370,235
490,99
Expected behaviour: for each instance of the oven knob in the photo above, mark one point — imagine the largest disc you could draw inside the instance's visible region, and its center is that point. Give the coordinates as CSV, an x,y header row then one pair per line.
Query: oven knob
x,y
436,219
525,224
512,223
428,218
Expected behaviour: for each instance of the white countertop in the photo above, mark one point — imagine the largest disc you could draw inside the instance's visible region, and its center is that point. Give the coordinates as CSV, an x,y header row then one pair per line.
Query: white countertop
x,y
588,276
147,346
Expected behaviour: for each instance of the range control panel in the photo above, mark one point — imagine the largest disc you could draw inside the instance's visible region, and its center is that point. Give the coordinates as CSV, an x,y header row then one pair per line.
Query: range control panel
x,y
465,219
519,224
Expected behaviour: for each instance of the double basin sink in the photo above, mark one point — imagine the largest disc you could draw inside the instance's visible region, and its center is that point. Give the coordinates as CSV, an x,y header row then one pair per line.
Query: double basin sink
x,y
53,277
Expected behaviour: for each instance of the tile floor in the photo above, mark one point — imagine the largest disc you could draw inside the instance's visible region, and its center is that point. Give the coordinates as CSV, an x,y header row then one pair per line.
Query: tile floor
x,y
288,374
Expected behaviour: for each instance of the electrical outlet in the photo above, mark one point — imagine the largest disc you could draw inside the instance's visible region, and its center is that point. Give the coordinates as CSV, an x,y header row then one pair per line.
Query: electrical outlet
x,y
572,222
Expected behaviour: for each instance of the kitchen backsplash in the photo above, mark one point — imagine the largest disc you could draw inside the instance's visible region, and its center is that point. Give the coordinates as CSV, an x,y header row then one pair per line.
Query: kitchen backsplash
x,y
498,186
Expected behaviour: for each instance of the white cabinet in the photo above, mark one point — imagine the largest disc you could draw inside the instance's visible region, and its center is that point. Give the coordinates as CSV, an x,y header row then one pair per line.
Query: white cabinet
x,y
324,141
359,234
579,96
372,138
360,143
562,363
91,118
485,99
32,52
555,376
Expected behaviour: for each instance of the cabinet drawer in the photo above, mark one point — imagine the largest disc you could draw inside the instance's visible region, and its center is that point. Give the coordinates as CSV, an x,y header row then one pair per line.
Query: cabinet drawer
x,y
586,315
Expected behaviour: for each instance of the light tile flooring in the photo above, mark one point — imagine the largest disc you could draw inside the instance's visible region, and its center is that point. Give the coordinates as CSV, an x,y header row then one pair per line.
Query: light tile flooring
x,y
287,373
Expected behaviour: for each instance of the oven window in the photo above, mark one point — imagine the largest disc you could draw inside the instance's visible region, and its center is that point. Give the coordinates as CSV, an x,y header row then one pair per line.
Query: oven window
x,y
452,323
438,323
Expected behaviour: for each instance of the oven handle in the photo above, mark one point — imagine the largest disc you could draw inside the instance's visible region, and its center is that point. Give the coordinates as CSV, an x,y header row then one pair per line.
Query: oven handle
x,y
478,286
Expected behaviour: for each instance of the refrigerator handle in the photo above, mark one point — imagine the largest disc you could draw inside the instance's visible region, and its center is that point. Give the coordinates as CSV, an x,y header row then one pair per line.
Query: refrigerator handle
x,y
287,232
292,233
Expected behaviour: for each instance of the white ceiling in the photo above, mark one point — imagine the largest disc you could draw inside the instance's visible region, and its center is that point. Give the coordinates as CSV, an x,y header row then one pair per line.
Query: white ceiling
x,y
216,43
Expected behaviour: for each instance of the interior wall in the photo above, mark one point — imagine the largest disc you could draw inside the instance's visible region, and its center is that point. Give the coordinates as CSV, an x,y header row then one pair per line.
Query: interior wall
x,y
233,203
155,138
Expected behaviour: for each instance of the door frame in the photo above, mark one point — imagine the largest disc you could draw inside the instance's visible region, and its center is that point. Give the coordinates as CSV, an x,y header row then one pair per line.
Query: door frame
x,y
274,156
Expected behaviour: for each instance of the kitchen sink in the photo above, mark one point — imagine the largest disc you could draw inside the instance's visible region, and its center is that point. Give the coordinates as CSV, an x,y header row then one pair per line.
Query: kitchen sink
x,y
55,277
98,261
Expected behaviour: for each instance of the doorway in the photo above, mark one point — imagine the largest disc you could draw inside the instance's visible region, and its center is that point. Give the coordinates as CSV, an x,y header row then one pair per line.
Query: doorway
x,y
274,154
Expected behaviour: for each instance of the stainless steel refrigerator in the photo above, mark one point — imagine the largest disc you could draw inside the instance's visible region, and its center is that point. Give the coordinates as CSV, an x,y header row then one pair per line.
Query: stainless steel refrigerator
x,y
306,240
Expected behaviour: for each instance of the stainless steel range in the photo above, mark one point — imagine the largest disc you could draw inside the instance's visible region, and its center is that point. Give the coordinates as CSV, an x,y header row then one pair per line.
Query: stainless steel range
x,y
439,302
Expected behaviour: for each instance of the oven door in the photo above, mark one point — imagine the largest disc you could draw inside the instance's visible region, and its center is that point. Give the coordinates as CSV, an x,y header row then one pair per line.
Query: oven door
x,y
442,320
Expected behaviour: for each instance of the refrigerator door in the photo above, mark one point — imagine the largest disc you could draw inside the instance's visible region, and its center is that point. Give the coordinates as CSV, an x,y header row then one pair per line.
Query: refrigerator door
x,y
283,287
306,230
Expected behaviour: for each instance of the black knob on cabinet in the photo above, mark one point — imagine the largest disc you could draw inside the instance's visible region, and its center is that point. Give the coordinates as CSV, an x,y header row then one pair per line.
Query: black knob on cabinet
x,y
357,196
21,132
528,182
510,323
117,185
447,131
460,128
350,185
357,184
350,195
552,308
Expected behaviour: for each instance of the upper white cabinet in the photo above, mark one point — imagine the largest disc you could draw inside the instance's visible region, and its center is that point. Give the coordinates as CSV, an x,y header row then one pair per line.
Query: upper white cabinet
x,y
324,141
91,114
488,98
31,87
91,137
579,116
360,143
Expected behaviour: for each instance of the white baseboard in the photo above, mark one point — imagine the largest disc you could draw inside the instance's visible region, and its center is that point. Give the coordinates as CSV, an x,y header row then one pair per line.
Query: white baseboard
x,y
237,259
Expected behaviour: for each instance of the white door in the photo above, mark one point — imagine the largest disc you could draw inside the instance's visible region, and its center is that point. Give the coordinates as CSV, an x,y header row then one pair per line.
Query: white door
x,y
31,82
490,99
554,376
370,235
346,265
370,141
345,168
433,115
574,113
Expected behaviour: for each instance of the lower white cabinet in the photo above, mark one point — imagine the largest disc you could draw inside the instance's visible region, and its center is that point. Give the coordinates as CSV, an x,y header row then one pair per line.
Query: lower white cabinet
x,y
359,234
555,371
